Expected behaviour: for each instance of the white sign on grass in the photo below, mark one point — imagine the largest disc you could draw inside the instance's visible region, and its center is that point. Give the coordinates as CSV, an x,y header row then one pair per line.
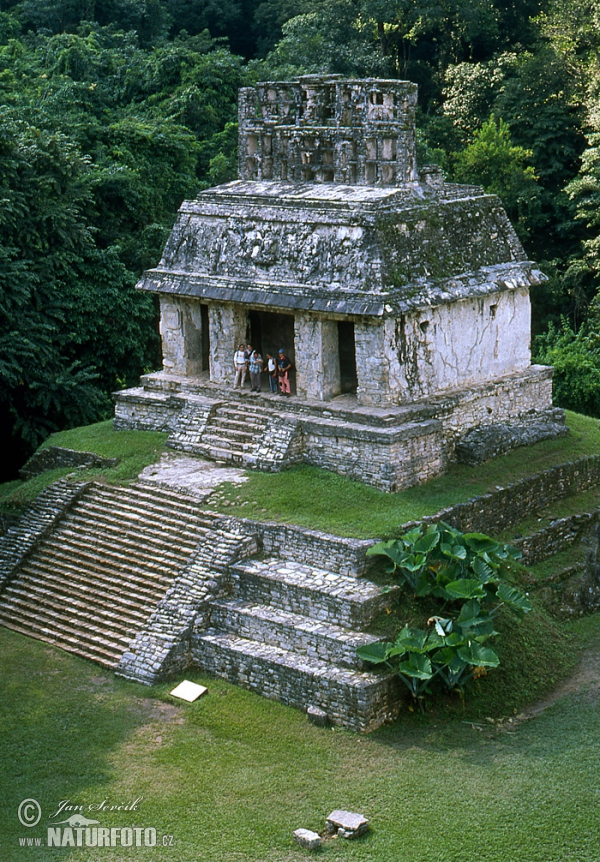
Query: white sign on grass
x,y
189,691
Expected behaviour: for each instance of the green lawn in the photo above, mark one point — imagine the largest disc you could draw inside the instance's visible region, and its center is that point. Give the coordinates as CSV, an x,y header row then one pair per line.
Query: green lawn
x,y
135,450
231,776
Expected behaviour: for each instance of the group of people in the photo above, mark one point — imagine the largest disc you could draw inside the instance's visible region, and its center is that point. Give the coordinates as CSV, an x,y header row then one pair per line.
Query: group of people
x,y
246,360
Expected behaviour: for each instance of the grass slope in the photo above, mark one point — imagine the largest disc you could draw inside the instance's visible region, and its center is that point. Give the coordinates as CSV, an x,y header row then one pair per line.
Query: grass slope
x,y
233,775
135,450
321,500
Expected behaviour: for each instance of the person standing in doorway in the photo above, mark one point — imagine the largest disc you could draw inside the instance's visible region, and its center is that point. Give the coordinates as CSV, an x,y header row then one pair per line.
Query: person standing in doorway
x,y
240,366
272,372
256,367
284,367
249,351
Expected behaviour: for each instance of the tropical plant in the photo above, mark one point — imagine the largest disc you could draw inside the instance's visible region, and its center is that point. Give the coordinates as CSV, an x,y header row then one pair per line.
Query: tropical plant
x,y
465,572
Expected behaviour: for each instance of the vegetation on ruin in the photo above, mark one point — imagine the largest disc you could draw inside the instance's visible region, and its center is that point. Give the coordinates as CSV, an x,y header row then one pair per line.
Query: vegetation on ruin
x,y
113,111
134,449
318,499
468,579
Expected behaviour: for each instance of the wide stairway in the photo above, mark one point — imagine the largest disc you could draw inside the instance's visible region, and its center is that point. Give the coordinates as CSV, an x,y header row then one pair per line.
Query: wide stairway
x,y
290,632
92,583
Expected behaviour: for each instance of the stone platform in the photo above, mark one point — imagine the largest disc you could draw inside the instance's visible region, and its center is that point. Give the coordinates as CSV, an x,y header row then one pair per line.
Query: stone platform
x,y
389,447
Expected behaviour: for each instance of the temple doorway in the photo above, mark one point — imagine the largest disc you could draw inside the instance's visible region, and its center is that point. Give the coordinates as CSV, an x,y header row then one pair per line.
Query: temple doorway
x,y
270,333
347,353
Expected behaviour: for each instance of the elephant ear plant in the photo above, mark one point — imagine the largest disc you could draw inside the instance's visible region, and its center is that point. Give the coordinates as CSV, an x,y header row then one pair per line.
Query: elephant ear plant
x,y
466,573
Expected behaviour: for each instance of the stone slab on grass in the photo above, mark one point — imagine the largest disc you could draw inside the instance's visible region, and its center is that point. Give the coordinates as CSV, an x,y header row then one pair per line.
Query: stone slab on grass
x,y
347,824
308,839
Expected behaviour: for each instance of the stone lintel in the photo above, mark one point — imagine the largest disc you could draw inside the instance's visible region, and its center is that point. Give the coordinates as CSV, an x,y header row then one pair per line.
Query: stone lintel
x,y
389,302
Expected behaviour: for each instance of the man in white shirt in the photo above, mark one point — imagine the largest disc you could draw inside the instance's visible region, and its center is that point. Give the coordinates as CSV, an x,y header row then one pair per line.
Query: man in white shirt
x,y
240,365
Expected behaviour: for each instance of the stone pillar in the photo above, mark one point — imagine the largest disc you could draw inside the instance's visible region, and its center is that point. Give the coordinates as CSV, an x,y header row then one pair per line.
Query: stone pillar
x,y
317,357
372,363
227,325
181,333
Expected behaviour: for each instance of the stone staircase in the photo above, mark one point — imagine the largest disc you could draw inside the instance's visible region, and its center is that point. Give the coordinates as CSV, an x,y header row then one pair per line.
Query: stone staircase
x,y
237,432
234,432
90,585
290,632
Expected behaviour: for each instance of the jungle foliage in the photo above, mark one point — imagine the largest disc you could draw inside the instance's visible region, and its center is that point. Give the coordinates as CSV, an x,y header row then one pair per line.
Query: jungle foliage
x,y
467,576
113,111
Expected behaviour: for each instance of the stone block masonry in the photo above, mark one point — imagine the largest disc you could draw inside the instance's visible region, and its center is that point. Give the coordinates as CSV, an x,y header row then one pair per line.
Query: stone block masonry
x,y
162,648
384,285
389,448
337,554
503,508
57,456
40,518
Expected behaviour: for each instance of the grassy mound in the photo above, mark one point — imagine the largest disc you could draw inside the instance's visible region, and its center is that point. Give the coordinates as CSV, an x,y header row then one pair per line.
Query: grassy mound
x,y
321,500
135,450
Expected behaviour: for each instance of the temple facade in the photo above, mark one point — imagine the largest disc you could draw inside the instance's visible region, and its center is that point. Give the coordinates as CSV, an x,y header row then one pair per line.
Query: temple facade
x,y
401,300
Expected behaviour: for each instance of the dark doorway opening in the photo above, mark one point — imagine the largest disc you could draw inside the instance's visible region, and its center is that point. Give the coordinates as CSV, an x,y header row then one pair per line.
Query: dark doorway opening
x,y
348,378
205,338
270,333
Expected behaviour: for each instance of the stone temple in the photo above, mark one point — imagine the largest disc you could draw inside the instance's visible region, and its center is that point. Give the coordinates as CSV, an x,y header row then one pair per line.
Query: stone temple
x,y
402,300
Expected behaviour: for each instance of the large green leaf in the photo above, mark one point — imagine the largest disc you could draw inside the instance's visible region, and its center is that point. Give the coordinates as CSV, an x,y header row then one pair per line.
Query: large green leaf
x,y
411,538
465,588
410,640
483,570
427,543
417,666
514,599
478,656
454,551
413,562
480,543
375,653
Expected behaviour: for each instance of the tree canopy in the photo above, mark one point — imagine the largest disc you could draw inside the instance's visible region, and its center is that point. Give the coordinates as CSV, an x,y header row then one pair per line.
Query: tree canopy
x,y
114,111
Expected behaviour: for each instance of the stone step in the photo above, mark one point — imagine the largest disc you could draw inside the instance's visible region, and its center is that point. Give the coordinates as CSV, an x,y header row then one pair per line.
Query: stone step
x,y
82,603
245,410
107,658
40,610
294,632
242,425
60,625
142,510
235,437
239,446
361,701
217,453
140,583
88,515
109,541
311,592
164,499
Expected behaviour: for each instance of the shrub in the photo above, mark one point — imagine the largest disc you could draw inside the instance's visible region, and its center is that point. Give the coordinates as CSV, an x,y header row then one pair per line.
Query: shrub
x,y
466,573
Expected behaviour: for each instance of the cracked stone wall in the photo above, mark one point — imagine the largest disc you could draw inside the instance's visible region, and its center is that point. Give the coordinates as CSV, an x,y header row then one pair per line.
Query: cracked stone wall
x,y
319,129
317,357
181,333
227,327
372,365
457,345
